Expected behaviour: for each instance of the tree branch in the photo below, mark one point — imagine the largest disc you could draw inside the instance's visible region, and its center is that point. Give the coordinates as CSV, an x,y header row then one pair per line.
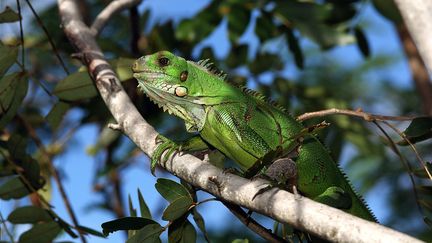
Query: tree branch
x,y
327,222
112,8
416,15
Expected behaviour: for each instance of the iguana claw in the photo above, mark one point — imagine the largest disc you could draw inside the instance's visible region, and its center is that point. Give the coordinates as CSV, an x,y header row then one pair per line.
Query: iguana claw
x,y
164,144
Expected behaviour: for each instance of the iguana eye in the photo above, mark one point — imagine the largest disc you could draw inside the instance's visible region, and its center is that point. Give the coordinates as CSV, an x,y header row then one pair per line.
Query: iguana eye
x,y
163,61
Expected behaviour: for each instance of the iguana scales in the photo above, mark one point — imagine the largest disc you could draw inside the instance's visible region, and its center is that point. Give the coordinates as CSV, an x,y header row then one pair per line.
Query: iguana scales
x,y
243,126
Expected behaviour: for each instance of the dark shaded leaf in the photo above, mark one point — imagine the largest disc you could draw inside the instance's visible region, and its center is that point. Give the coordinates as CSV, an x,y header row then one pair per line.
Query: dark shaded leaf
x,y
13,189
388,9
426,204
145,211
177,208
419,129
238,19
264,27
9,16
76,86
91,231
126,223
199,221
13,89
41,233
149,233
175,230
171,190
189,233
294,46
55,116
29,215
362,42
237,56
8,56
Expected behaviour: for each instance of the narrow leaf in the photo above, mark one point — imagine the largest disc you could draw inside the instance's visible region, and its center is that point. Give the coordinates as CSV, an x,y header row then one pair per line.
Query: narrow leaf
x,y
145,211
132,210
29,215
171,190
90,231
362,41
126,223
199,221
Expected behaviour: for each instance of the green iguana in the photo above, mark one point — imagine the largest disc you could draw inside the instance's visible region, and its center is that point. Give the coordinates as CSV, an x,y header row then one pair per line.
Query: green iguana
x,y
242,125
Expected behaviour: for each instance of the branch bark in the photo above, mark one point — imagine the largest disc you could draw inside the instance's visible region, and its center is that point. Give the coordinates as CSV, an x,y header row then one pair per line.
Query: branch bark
x,y
417,16
303,213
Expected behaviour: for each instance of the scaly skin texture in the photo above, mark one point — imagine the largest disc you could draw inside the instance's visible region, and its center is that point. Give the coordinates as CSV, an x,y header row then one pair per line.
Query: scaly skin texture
x,y
243,126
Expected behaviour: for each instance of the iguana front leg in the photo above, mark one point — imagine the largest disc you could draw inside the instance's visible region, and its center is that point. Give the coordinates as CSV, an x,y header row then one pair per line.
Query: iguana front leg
x,y
169,147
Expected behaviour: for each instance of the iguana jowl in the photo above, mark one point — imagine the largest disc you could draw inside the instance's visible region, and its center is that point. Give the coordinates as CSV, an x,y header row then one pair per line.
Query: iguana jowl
x,y
242,125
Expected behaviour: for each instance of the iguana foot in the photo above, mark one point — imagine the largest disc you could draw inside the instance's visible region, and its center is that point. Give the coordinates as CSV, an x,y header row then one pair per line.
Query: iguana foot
x,y
164,144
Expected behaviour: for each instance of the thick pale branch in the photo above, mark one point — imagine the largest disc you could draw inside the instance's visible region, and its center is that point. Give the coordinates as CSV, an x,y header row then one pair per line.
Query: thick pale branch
x,y
114,7
302,213
417,16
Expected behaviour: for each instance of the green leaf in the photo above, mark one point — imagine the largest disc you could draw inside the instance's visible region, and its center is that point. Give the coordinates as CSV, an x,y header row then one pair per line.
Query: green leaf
x,y
91,231
9,16
149,233
420,129
175,230
177,208
421,172
362,42
132,210
199,221
145,211
264,27
8,56
294,47
240,241
13,89
29,215
126,223
237,56
388,9
189,233
171,190
13,189
238,19
76,86
122,66
55,116
41,233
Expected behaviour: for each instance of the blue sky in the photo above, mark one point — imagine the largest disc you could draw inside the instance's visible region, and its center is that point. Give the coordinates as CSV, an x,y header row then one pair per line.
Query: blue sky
x,y
79,168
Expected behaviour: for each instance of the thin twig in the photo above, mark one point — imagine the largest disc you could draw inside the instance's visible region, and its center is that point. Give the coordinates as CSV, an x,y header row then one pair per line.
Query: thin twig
x,y
252,224
55,175
21,35
404,137
366,116
112,8
53,46
404,162
6,228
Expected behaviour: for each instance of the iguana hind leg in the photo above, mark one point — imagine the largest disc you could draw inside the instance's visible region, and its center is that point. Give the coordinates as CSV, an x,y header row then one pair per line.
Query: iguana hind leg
x,y
335,197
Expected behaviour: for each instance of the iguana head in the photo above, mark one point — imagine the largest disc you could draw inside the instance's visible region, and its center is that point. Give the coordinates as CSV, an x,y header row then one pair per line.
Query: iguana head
x,y
165,79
